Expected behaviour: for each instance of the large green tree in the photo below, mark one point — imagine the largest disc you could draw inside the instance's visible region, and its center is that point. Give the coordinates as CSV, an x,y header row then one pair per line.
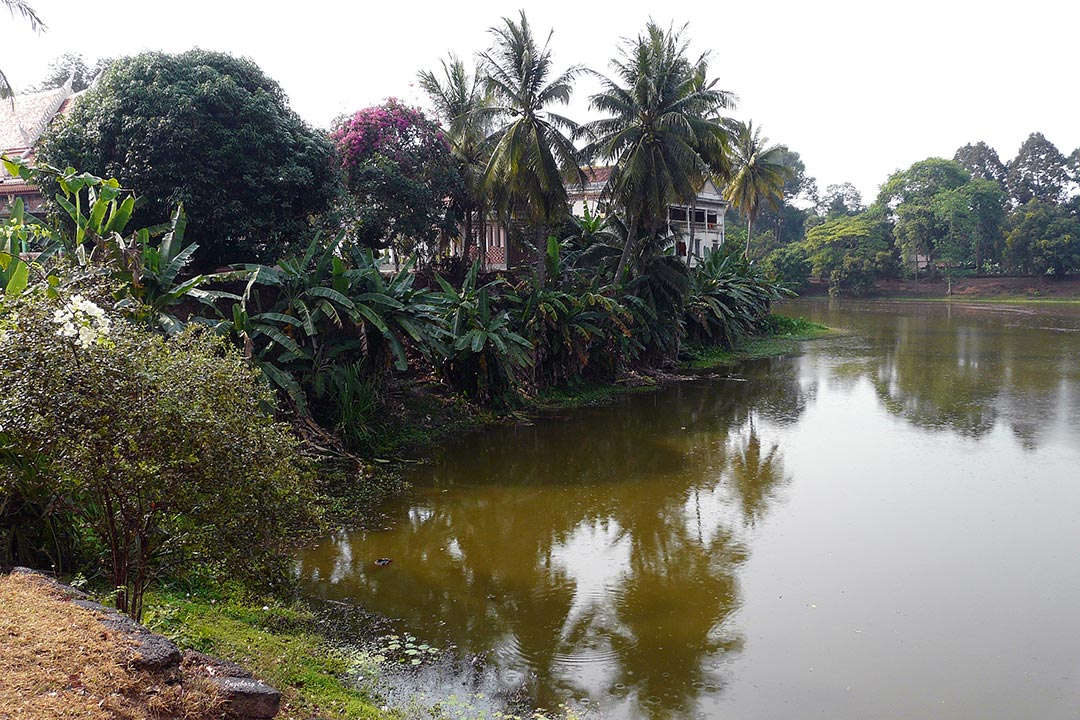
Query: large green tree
x,y
907,197
982,161
533,153
759,175
208,130
661,134
1038,172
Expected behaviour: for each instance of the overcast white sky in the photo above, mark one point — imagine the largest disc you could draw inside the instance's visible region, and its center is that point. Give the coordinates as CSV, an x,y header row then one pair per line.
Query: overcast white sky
x,y
859,88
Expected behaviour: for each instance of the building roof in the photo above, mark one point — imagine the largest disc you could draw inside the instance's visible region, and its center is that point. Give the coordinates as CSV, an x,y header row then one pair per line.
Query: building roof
x,y
23,124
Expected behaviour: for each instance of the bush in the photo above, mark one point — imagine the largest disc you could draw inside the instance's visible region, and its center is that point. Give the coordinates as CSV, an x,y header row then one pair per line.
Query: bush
x,y
162,448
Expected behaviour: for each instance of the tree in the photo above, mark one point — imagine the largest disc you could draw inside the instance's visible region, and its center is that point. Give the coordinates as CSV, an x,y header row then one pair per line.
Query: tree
x,y
759,175
1043,238
400,173
982,161
19,7
208,130
460,101
788,222
850,251
662,135
971,216
533,152
1038,172
839,200
72,66
907,198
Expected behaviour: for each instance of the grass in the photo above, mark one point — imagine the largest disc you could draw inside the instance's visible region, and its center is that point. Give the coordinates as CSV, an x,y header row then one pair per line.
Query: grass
x,y
782,338
278,644
59,662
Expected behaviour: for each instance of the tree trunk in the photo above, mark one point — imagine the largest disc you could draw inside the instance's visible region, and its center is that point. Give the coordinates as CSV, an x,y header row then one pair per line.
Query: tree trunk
x,y
693,222
749,229
467,240
625,257
541,254
481,221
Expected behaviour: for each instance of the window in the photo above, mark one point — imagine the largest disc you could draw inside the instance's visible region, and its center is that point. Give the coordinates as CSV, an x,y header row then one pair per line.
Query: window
x,y
677,214
699,216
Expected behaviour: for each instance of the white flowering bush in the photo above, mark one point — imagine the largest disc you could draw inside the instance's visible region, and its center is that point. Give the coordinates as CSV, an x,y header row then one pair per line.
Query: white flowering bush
x,y
82,320
161,448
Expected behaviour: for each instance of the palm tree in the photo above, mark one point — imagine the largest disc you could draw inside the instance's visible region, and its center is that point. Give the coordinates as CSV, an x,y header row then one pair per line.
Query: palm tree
x,y
533,152
759,174
22,8
661,135
460,101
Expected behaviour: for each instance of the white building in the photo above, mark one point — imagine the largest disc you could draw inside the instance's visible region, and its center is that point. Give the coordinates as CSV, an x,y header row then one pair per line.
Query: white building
x,y
705,219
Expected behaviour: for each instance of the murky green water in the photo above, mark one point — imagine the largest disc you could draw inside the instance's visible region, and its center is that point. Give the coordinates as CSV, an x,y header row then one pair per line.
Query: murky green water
x,y
884,526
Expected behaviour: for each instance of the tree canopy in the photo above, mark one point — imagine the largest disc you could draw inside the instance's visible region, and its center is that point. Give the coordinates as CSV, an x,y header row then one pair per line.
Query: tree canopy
x,y
208,130
400,173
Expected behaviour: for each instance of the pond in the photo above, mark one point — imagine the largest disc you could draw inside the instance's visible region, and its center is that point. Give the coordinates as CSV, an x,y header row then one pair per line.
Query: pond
x,y
885,525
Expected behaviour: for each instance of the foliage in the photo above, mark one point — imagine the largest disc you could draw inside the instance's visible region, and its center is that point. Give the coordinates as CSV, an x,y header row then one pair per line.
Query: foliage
x,y
461,102
484,356
849,252
307,314
840,199
1043,238
400,172
728,299
758,177
1038,172
532,153
661,134
142,273
789,266
982,161
162,447
207,130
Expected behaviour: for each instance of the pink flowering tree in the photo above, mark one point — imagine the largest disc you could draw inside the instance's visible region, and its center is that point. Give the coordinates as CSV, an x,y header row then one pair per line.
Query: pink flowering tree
x,y
402,179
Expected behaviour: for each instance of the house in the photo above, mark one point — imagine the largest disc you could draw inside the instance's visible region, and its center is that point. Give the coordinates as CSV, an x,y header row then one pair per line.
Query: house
x,y
704,218
21,124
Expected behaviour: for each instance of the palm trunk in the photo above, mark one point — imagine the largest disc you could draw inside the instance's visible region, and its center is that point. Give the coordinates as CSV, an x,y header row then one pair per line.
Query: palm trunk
x,y
749,229
541,254
625,257
693,222
481,221
467,240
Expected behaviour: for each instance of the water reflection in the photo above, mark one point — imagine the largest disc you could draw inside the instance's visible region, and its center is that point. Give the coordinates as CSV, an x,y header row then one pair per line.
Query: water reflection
x,y
608,555
958,368
594,557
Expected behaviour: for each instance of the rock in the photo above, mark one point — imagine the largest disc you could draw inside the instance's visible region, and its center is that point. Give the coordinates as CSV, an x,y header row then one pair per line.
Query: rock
x,y
211,666
247,698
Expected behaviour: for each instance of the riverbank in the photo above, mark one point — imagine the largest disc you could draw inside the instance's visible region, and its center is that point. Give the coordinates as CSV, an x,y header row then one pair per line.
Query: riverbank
x,y
1044,288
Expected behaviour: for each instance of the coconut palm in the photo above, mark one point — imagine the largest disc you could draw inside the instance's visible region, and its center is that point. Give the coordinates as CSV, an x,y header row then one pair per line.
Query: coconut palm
x,y
662,135
20,7
533,153
759,174
459,100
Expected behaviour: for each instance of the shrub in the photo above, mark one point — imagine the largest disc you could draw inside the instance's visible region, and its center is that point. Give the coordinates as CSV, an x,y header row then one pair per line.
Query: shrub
x,y
163,448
